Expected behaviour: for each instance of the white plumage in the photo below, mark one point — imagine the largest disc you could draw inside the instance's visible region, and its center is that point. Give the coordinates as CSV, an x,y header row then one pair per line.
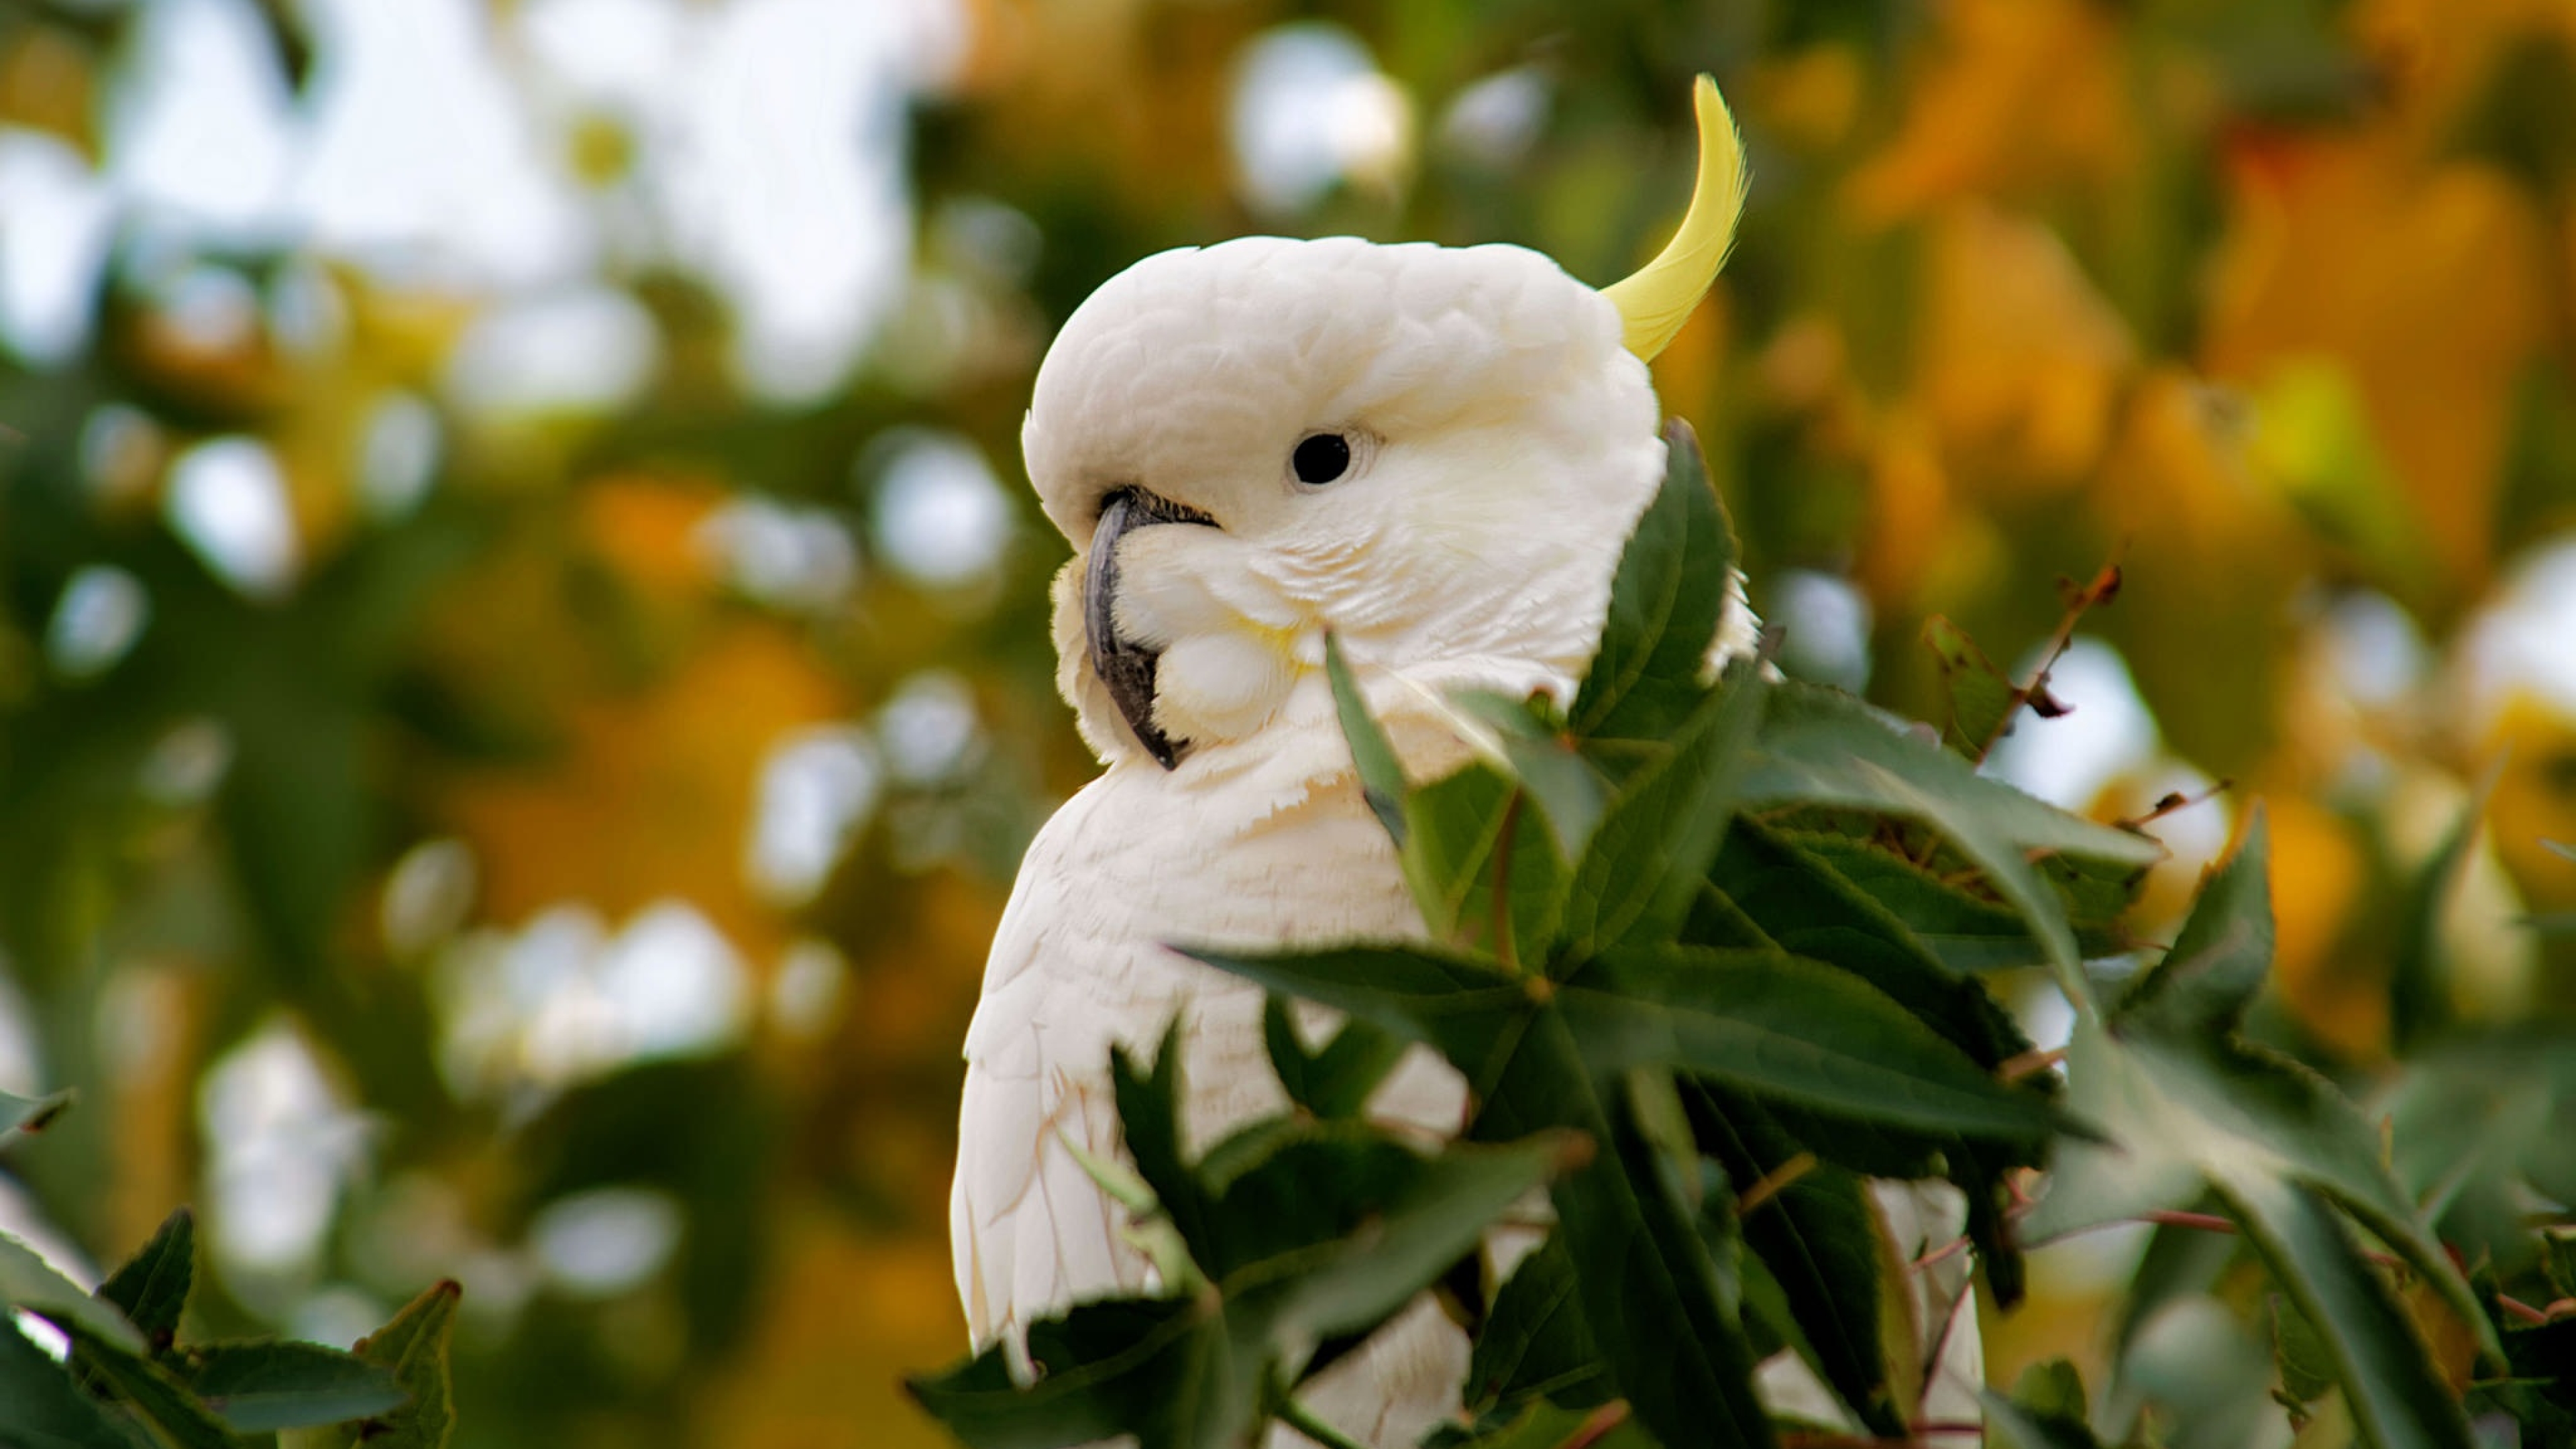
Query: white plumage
x,y
1502,441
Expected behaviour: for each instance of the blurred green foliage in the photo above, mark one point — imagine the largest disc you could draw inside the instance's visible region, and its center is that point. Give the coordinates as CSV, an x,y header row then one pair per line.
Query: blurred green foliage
x,y
2270,300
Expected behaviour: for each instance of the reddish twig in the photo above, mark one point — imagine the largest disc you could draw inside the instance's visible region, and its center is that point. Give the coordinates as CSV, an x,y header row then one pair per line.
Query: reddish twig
x,y
1941,1254
2030,1063
2174,801
1611,1416
2521,1310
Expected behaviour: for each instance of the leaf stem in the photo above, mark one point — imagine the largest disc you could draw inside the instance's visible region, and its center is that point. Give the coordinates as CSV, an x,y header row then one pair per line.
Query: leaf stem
x,y
1610,1416
1302,1419
2521,1310
1773,1181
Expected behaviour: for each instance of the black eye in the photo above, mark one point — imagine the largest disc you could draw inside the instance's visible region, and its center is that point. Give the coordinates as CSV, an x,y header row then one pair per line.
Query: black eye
x,y
1321,458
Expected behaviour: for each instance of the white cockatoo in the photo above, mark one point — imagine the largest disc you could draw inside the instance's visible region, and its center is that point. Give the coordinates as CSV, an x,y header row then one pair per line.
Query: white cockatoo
x,y
1435,453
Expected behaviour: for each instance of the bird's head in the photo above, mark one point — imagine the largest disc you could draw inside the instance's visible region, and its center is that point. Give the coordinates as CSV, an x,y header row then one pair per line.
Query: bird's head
x,y
1434,453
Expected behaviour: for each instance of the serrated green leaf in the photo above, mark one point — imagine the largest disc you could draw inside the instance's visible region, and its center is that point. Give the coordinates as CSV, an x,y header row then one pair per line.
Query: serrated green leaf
x,y
1764,1022
152,1287
1823,747
2396,1398
2190,1110
147,1391
2307,1369
1330,1234
1647,1282
29,1282
258,1388
2558,1259
1456,827
1818,1240
1149,1114
1149,1367
1535,1343
1336,1081
1559,779
414,1347
41,1408
1638,878
1665,602
1807,907
1982,698
1381,774
2016,1424
2419,992
1777,1026
2218,962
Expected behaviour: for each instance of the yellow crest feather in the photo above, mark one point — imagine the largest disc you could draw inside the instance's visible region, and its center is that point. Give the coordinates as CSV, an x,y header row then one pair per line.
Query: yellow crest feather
x,y
1655,301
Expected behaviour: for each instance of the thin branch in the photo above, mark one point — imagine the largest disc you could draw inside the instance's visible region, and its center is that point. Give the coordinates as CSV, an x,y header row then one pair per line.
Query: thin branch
x,y
1941,1254
2520,1309
2030,1063
1610,1416
1773,1181
2079,602
2175,800
2175,1218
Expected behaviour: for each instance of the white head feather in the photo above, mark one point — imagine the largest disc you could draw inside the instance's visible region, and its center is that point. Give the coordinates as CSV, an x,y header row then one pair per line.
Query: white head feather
x,y
1503,436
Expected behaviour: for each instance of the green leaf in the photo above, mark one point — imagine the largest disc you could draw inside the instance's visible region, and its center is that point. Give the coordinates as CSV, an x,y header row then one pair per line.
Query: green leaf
x,y
2046,1411
152,1287
1646,1279
148,1391
1818,1239
259,1388
1982,698
1822,747
2217,964
2190,1109
2396,1398
1381,774
1777,1026
1329,1235
1335,1082
1764,1022
1665,603
1558,777
2307,1369
1636,881
29,1282
2419,993
1149,1116
1535,1344
1806,906
1156,1368
41,1408
414,1347
1544,1425
2558,1259
1457,828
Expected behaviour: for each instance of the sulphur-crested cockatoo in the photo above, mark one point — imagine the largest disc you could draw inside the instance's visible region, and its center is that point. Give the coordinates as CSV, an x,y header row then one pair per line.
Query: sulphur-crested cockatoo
x,y
1435,453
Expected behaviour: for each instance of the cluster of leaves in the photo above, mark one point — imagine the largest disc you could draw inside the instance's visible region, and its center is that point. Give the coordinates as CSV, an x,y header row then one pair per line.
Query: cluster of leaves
x,y
125,1381
1735,937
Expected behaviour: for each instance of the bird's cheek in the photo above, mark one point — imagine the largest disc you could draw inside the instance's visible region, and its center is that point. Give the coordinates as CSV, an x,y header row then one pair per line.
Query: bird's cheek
x,y
1176,582
1221,686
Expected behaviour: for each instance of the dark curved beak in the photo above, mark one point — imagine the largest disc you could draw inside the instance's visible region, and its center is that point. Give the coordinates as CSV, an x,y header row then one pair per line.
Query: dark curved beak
x,y
1126,667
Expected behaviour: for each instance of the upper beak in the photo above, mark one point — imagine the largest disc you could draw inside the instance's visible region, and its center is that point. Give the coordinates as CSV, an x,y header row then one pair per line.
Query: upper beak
x,y
1125,667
